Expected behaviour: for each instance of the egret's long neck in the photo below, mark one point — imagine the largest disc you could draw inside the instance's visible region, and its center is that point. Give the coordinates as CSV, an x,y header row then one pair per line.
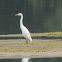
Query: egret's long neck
x,y
21,21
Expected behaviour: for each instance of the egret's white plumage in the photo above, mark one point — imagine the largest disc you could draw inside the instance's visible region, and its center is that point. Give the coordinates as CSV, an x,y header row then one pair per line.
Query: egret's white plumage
x,y
24,30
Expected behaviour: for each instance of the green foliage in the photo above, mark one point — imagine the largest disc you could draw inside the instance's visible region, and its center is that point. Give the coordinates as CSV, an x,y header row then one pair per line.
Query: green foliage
x,y
39,15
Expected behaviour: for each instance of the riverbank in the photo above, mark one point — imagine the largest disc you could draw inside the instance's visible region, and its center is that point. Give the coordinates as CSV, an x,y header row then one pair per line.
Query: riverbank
x,y
43,45
17,48
47,54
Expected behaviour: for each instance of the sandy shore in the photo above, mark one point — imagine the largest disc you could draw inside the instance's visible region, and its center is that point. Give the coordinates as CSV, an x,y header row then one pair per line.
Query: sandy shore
x,y
57,52
49,54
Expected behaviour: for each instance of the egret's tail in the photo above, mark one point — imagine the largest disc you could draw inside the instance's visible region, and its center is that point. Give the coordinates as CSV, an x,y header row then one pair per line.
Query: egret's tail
x,y
30,39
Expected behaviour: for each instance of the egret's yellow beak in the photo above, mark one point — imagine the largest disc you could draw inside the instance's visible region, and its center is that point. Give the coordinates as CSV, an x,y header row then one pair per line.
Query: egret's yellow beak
x,y
16,14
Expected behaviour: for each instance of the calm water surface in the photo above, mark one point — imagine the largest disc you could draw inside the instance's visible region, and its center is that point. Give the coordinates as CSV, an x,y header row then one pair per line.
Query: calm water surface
x,y
32,60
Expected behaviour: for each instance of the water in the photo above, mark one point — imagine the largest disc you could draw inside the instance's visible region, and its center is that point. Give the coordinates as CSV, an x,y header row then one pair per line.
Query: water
x,y
32,60
25,59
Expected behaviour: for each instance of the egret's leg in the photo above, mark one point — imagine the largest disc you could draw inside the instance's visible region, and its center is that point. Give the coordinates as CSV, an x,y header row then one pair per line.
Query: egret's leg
x,y
26,41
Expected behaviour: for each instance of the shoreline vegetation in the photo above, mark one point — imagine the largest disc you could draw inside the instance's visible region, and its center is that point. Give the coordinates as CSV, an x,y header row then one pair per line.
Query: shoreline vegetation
x,y
34,34
37,47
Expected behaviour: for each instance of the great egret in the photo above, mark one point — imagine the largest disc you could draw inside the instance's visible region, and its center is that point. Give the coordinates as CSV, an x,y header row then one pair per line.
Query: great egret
x,y
25,31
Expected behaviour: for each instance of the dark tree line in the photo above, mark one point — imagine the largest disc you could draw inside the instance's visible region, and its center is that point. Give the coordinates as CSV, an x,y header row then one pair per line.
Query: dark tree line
x,y
39,15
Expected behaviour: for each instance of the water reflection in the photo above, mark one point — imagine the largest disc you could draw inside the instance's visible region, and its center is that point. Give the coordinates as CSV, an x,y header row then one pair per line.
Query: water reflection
x,y
41,59
25,59
58,59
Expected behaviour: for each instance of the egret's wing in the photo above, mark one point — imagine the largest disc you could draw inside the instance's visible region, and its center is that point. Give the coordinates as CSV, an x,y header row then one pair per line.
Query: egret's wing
x,y
26,33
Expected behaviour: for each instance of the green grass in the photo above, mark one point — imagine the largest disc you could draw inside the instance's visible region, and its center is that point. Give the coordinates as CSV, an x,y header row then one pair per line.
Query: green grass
x,y
55,34
47,45
35,34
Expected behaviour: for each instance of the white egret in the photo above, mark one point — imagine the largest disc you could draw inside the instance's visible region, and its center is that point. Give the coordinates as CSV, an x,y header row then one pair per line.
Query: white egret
x,y
25,31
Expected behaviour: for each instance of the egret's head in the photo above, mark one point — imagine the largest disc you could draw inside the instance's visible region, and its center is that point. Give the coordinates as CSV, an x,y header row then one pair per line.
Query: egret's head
x,y
19,14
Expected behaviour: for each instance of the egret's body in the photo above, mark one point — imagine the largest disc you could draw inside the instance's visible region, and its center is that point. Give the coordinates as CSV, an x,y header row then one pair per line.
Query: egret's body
x,y
25,31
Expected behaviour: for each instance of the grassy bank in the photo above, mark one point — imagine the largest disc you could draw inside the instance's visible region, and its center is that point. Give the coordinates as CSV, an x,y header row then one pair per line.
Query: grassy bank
x,y
37,45
35,34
